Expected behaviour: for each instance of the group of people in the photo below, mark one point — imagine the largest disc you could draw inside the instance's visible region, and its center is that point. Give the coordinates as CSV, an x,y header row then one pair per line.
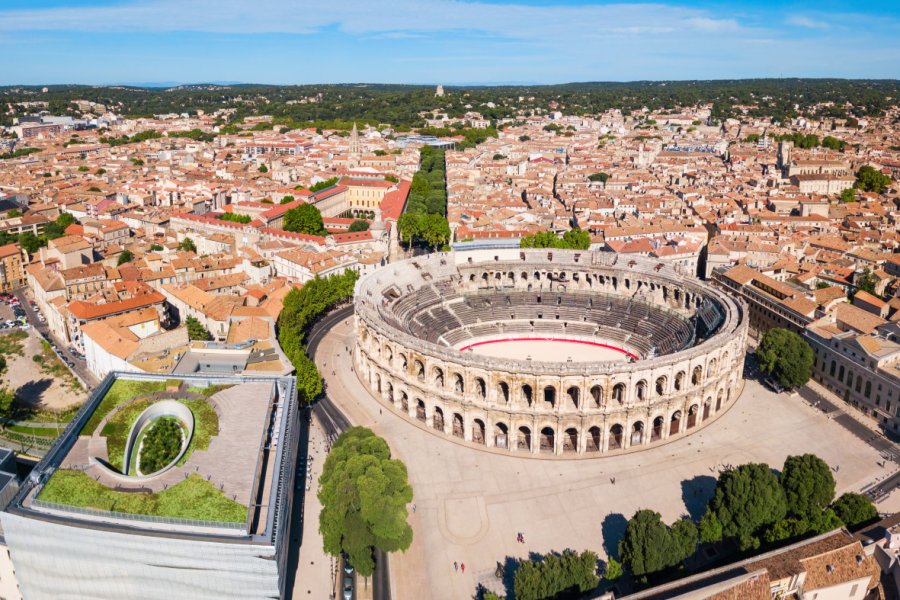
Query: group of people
x,y
520,537
457,566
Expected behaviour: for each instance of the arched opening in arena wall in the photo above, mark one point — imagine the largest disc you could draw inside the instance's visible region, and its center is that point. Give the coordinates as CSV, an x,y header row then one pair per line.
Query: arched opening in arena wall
x,y
619,393
661,385
597,396
572,394
615,437
527,395
679,381
478,431
594,439
420,370
707,406
420,410
438,378
548,439
550,397
504,392
719,401
524,442
637,433
641,390
390,392
480,388
459,385
692,415
675,426
458,427
501,435
570,441
697,376
437,419
657,432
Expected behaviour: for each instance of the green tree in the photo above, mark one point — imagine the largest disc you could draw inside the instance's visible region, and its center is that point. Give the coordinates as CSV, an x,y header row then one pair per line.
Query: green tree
x,y
848,195
15,212
808,485
263,169
358,225
833,143
746,500
854,509
614,569
868,179
30,242
155,247
576,239
601,177
650,546
318,187
65,219
786,356
234,218
866,281
556,575
287,199
126,256
305,218
137,162
196,330
364,493
710,528
187,245
2,364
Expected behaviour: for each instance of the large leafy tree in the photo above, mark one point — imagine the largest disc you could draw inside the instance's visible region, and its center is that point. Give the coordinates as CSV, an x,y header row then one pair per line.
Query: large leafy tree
x,y
746,500
358,225
187,245
555,575
306,218
364,493
785,355
866,281
854,509
868,179
808,485
574,239
650,545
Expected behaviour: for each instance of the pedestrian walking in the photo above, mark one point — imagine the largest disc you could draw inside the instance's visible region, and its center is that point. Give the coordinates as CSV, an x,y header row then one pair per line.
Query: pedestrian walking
x,y
414,508
455,566
463,567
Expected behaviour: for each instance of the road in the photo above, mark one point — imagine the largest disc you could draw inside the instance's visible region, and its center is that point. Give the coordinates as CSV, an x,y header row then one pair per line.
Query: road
x,y
80,368
334,422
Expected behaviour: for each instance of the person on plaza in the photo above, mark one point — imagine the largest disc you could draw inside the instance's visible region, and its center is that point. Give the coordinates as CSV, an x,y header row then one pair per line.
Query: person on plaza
x,y
463,567
455,566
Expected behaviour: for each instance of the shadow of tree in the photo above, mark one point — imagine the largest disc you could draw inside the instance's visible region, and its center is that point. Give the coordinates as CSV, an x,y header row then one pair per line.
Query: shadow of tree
x,y
613,530
696,494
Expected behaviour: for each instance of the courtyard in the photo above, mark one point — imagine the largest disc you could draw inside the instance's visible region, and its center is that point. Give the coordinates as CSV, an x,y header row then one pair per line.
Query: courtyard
x,y
470,503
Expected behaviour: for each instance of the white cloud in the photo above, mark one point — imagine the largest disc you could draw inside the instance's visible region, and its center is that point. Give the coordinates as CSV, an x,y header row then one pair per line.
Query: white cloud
x,y
807,22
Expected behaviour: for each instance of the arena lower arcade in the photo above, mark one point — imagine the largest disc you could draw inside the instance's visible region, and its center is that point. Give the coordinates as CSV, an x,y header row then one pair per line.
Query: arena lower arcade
x,y
549,351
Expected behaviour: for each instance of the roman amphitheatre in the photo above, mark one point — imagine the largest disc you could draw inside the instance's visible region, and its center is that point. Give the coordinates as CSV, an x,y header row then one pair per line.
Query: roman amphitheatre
x,y
549,352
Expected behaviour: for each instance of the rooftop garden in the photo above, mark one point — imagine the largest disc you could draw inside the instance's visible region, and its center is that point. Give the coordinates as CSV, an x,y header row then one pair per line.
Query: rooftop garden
x,y
193,498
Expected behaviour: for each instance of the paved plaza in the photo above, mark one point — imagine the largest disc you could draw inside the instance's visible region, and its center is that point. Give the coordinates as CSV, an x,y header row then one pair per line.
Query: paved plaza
x,y
471,503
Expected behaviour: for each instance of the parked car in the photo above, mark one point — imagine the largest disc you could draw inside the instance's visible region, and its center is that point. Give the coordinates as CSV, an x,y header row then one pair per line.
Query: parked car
x,y
348,588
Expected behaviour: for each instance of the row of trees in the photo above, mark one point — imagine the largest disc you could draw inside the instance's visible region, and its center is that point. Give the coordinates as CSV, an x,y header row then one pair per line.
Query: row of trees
x,y
301,307
235,218
32,243
364,493
752,505
574,239
424,219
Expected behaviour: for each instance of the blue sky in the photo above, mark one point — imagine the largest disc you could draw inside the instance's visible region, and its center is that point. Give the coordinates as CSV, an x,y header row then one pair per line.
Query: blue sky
x,y
442,41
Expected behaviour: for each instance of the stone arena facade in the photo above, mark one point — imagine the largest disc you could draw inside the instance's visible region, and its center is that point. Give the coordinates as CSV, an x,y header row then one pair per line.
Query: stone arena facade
x,y
413,315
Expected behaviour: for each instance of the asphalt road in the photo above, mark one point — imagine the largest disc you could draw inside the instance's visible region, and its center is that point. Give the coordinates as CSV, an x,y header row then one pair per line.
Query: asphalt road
x,y
80,367
334,422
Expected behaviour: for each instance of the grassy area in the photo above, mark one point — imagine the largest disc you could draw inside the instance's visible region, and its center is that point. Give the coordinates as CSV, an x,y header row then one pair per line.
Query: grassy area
x,y
51,365
11,343
193,498
49,432
206,425
120,391
210,390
